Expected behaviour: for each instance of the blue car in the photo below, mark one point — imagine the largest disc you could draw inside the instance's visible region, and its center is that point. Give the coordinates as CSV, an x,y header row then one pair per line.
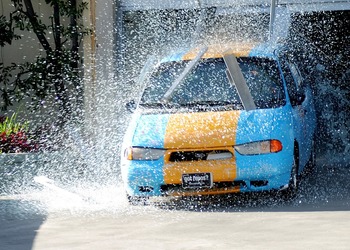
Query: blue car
x,y
220,119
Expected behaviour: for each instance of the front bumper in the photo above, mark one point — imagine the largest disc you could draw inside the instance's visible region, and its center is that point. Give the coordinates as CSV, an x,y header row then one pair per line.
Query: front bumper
x,y
252,173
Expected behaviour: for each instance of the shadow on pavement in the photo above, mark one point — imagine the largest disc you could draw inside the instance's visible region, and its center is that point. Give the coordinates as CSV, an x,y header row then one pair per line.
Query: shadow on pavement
x,y
19,223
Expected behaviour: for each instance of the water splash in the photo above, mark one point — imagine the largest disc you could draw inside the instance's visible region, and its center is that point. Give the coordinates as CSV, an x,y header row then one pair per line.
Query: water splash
x,y
83,177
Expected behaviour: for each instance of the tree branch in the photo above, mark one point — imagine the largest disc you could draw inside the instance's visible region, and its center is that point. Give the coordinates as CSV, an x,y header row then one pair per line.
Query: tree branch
x,y
36,26
74,34
57,26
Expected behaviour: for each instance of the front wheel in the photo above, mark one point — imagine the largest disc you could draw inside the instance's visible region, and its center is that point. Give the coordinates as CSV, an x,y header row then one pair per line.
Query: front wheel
x,y
311,164
137,200
292,189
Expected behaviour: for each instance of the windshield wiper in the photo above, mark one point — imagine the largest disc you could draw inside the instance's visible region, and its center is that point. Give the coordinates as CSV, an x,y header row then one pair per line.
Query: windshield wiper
x,y
156,105
183,75
210,103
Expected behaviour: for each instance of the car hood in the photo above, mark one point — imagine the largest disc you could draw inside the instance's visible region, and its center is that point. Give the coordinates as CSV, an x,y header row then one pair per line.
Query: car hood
x,y
200,129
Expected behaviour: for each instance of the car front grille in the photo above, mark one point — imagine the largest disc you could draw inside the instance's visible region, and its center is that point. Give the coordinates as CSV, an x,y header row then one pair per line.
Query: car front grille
x,y
179,156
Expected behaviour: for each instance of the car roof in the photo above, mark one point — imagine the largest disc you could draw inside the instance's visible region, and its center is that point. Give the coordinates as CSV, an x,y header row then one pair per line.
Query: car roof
x,y
239,49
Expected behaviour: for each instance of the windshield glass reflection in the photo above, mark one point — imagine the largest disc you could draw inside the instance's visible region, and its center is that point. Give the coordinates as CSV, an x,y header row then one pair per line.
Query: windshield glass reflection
x,y
208,84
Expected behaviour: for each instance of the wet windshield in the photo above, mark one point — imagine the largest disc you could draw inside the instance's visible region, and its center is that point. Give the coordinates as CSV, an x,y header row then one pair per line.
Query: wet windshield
x,y
208,84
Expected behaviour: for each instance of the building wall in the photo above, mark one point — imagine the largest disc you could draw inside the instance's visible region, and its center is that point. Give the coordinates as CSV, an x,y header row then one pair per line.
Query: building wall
x,y
28,47
293,5
99,66
25,50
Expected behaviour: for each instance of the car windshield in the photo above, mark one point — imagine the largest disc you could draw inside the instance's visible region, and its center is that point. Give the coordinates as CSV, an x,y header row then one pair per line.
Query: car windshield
x,y
208,84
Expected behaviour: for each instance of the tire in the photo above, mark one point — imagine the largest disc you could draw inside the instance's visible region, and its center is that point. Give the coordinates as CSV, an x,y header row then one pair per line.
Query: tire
x,y
291,192
311,164
137,200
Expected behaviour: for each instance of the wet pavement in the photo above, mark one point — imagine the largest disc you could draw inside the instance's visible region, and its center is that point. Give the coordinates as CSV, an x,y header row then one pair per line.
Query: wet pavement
x,y
100,218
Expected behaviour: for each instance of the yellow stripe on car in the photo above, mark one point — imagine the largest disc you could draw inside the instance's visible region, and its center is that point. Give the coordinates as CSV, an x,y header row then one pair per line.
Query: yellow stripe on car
x,y
218,50
201,131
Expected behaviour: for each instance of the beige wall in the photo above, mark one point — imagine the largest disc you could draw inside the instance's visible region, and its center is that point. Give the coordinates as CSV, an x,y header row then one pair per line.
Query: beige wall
x,y
25,50
28,47
97,55
99,64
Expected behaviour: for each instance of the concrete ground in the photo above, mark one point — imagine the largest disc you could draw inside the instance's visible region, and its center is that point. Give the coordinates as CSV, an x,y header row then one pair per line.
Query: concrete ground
x,y
318,218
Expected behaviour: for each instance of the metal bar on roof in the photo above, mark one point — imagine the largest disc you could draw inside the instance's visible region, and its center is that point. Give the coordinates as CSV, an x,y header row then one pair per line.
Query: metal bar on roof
x,y
186,71
237,79
272,17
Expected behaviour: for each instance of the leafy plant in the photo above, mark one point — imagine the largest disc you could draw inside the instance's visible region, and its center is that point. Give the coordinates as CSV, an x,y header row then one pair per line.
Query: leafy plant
x,y
15,137
56,70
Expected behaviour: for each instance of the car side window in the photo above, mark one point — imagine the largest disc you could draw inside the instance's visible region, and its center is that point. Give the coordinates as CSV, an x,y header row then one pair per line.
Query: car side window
x,y
288,77
296,75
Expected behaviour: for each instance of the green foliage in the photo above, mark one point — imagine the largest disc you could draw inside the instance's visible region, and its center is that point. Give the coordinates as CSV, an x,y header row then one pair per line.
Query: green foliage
x,y
35,80
54,72
7,32
15,136
9,125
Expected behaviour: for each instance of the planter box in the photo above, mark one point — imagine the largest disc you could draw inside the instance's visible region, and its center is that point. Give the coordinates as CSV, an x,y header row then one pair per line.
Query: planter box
x,y
17,158
17,171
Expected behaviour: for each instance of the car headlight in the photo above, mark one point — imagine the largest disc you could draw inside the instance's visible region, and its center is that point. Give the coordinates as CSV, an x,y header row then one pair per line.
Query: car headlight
x,y
260,147
135,153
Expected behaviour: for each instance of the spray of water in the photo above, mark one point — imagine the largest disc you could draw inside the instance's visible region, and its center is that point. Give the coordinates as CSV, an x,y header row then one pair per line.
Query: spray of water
x,y
84,174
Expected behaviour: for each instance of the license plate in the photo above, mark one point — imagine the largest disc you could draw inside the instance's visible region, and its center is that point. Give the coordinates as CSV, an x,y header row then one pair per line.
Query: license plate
x,y
197,180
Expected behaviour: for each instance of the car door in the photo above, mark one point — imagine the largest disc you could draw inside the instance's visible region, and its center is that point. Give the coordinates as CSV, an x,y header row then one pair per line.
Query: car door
x,y
301,100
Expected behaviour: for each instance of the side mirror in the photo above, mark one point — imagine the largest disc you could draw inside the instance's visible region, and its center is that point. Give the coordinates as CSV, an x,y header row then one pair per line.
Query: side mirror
x,y
131,106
